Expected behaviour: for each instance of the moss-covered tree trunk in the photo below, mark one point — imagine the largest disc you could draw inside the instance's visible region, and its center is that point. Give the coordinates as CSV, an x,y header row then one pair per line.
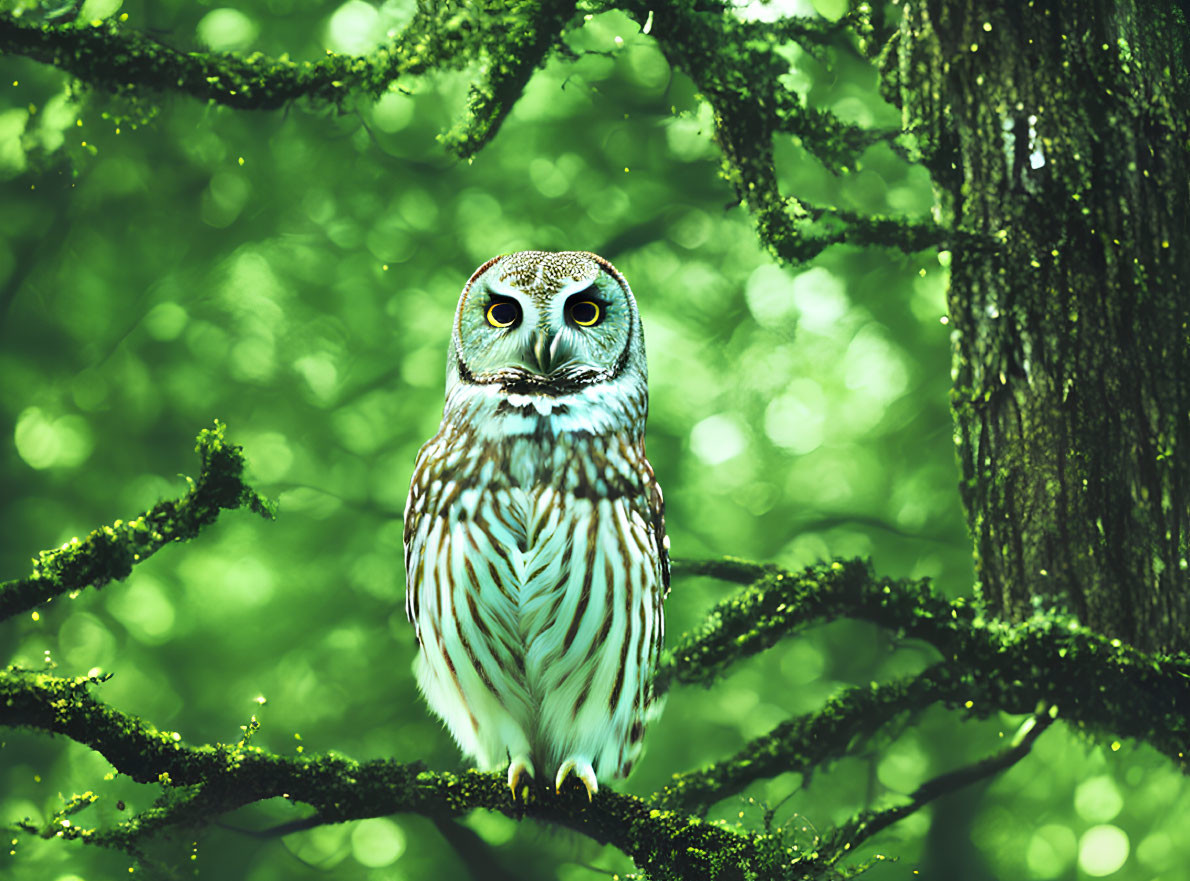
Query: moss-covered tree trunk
x,y
1059,132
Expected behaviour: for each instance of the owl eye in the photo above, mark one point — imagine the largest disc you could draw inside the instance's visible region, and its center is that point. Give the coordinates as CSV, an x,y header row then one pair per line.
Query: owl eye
x,y
503,313
584,312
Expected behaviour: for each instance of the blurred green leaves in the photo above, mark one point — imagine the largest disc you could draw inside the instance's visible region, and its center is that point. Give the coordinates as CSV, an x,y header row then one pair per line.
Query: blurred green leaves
x,y
46,442
227,30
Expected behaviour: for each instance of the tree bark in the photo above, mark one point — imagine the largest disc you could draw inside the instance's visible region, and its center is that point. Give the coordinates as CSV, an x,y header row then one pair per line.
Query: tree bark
x,y
1059,132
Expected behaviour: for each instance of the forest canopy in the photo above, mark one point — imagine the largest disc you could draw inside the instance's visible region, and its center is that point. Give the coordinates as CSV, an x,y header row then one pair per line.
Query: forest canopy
x,y
185,249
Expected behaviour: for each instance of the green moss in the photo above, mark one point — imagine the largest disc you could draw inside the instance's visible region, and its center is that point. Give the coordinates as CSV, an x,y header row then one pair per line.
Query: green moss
x,y
1100,683
736,66
517,37
737,69
109,552
119,59
986,666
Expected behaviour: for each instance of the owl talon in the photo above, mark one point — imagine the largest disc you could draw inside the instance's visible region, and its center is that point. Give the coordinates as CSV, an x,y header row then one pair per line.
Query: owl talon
x,y
520,770
581,769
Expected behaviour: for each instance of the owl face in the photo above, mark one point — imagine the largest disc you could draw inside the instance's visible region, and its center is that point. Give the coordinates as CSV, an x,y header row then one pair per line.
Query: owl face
x,y
546,323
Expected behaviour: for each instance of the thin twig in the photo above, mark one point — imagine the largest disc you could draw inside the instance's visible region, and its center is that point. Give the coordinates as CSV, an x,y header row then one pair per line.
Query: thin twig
x,y
868,823
806,743
475,853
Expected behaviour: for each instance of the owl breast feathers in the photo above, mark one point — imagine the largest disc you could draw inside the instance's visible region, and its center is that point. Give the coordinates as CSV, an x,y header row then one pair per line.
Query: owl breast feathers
x,y
535,553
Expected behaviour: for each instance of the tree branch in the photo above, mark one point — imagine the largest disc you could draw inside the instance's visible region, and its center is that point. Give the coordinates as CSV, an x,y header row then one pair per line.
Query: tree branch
x,y
528,32
808,742
515,41
776,605
733,569
120,60
986,666
738,71
205,781
868,823
735,65
1095,682
110,552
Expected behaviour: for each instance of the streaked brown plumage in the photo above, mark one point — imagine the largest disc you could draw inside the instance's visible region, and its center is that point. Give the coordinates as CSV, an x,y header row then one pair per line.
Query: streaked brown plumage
x,y
536,556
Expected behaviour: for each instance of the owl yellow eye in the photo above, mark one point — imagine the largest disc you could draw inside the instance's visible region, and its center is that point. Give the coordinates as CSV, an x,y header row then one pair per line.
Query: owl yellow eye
x,y
585,313
503,313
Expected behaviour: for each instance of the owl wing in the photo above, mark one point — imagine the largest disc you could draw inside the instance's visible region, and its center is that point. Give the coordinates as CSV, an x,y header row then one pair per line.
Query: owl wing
x,y
460,596
655,512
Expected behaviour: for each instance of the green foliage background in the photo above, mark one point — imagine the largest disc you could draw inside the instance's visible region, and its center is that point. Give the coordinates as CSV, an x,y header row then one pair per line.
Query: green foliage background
x,y
294,274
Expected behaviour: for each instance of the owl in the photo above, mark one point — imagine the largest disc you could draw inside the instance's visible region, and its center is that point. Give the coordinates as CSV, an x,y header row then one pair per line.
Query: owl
x,y
536,559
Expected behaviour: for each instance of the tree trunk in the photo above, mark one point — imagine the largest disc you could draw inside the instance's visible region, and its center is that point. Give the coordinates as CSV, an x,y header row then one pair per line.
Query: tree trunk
x,y
1057,133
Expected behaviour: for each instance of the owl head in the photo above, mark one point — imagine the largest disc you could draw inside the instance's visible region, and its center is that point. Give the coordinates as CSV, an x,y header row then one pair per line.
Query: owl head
x,y
546,323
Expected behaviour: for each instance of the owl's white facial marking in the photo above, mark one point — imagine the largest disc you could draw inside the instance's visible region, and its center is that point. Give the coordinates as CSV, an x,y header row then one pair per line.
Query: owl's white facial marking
x,y
543,405
600,409
547,347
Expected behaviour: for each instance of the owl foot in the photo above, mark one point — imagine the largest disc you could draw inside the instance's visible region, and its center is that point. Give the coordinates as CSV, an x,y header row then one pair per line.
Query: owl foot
x,y
520,771
581,769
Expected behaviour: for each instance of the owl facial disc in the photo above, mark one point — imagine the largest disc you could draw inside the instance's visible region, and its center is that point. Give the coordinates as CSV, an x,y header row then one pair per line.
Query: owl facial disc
x,y
545,323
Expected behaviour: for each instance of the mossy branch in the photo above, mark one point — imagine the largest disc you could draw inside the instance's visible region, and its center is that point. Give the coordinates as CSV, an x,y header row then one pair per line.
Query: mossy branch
x,y
1094,682
663,834
112,56
515,50
738,68
736,65
110,552
202,782
511,42
986,667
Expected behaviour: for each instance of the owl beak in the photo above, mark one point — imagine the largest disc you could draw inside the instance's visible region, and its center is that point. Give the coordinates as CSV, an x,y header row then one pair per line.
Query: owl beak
x,y
544,356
